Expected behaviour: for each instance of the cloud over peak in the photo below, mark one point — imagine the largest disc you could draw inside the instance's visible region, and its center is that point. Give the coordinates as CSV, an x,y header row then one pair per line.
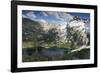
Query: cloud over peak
x,y
48,16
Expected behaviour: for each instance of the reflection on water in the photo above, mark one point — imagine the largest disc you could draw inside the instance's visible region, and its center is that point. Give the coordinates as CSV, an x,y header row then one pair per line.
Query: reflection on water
x,y
51,54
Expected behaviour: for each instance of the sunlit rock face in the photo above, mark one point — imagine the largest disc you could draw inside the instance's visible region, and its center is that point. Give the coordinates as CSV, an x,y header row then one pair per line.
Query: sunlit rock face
x,y
60,28
78,25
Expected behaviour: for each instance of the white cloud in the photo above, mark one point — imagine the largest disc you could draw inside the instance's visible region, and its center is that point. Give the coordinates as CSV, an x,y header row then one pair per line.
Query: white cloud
x,y
24,16
52,13
59,17
63,16
44,13
31,15
42,20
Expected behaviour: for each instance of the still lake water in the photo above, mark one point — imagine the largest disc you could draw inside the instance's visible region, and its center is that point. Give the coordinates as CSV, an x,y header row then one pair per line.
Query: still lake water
x,y
50,52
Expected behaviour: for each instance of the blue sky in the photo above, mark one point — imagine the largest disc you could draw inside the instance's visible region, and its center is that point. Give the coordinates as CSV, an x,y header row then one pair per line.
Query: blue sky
x,y
53,17
81,15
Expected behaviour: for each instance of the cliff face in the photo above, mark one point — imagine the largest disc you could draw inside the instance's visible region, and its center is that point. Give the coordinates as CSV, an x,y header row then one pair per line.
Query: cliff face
x,y
37,27
77,30
77,25
61,29
31,27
